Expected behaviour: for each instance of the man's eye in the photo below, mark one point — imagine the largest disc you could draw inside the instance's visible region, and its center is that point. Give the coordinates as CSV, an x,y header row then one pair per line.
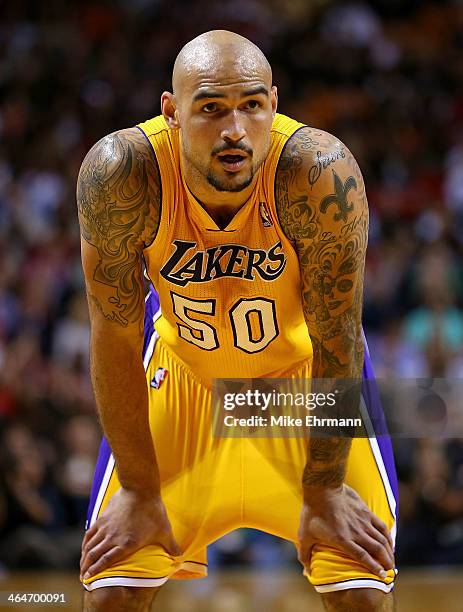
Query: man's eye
x,y
253,104
210,108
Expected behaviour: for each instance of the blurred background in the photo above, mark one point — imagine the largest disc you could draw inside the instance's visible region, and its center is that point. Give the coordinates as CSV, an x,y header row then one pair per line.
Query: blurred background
x,y
385,76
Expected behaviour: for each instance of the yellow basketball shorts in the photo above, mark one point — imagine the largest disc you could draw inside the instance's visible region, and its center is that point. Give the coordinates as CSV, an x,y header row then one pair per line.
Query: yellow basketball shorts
x,y
211,486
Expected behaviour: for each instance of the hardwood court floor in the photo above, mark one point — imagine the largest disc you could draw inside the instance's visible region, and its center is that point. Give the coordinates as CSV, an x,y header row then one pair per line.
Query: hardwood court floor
x,y
417,591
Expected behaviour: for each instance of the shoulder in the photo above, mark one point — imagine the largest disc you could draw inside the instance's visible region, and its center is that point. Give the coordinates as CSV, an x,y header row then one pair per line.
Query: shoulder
x,y
127,148
316,170
312,150
120,172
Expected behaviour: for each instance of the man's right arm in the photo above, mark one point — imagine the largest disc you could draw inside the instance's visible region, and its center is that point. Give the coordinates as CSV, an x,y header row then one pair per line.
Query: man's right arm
x,y
118,197
118,203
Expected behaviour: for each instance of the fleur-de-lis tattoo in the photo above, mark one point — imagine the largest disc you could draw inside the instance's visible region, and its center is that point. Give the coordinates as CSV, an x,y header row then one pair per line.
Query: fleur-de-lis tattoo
x,y
339,197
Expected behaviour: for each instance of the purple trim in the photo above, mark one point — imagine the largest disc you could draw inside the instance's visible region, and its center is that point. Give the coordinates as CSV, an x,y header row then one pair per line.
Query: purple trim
x,y
372,400
151,308
100,468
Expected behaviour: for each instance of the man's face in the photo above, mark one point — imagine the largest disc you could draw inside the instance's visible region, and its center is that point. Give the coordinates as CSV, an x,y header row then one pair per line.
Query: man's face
x,y
225,126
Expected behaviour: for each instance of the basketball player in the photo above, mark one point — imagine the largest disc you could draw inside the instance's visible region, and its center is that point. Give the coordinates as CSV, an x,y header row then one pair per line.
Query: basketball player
x,y
253,229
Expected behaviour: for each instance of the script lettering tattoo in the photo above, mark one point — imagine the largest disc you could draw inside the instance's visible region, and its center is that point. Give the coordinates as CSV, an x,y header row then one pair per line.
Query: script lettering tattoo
x,y
331,251
118,195
322,162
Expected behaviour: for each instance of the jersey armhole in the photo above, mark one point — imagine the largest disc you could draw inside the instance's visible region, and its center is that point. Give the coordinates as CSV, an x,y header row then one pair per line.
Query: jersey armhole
x,y
275,172
160,187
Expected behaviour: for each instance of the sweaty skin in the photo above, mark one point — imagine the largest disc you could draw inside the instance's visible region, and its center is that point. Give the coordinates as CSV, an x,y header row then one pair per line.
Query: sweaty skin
x,y
223,102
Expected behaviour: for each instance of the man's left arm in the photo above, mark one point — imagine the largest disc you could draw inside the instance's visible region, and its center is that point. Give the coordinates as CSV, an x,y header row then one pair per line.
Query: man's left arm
x,y
323,210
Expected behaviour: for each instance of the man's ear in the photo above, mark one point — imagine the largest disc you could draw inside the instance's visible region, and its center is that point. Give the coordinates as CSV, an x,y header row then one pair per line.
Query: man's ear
x,y
169,110
274,99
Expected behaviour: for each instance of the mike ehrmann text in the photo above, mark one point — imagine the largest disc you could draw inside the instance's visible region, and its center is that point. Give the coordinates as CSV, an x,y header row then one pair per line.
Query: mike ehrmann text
x,y
311,420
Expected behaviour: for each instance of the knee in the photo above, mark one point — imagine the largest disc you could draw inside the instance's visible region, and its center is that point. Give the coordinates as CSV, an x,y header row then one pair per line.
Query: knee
x,y
358,600
119,599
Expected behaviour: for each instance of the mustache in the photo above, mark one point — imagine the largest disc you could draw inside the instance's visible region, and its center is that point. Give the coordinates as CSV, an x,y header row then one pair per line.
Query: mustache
x,y
225,147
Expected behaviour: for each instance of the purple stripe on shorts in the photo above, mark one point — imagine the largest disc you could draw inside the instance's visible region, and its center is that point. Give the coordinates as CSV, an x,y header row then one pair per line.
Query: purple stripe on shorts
x,y
372,400
100,468
151,308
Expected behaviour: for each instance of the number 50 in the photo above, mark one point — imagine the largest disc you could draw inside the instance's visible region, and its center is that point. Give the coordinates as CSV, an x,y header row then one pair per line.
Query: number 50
x,y
204,335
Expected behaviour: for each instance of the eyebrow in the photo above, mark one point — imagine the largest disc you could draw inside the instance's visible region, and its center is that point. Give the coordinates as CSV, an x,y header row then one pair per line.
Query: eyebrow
x,y
210,93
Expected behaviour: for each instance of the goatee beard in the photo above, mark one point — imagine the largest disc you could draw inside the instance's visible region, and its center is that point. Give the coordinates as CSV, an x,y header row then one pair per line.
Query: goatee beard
x,y
221,185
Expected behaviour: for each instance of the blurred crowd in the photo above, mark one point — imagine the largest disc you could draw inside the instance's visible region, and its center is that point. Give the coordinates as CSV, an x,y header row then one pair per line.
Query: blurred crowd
x,y
385,76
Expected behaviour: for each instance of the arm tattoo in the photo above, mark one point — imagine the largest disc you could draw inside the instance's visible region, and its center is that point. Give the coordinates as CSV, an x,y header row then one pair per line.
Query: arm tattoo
x,y
325,216
326,464
322,162
118,199
339,197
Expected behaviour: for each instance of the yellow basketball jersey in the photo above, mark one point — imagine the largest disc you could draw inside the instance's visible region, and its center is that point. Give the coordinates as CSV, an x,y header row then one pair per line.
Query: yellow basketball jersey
x,y
230,298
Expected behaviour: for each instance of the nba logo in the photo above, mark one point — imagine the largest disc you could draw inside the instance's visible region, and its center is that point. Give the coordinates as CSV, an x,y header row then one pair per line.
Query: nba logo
x,y
158,378
264,215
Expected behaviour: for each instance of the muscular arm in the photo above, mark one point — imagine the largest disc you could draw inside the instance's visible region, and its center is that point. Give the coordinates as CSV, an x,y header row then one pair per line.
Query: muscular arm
x,y
118,198
323,209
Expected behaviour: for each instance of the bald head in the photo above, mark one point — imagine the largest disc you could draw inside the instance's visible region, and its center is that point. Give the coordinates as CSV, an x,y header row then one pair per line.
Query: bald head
x,y
219,56
223,103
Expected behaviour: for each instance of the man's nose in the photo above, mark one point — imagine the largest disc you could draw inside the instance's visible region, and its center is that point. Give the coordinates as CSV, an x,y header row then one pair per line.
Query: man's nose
x,y
233,130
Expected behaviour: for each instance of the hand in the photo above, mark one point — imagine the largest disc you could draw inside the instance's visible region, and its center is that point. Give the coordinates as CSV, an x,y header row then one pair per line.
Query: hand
x,y
130,522
340,518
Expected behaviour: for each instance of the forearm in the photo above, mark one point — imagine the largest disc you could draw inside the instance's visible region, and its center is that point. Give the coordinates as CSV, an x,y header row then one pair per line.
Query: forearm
x,y
326,463
118,201
121,394
327,457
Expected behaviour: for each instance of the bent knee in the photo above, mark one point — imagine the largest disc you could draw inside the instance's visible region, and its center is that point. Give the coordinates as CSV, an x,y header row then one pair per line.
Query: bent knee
x,y
119,599
358,600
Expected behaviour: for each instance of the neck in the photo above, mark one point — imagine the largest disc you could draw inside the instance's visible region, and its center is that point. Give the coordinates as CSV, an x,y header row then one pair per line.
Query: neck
x,y
221,206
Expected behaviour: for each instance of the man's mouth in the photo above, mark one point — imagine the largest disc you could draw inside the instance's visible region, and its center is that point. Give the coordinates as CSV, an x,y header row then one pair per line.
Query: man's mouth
x,y
232,161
